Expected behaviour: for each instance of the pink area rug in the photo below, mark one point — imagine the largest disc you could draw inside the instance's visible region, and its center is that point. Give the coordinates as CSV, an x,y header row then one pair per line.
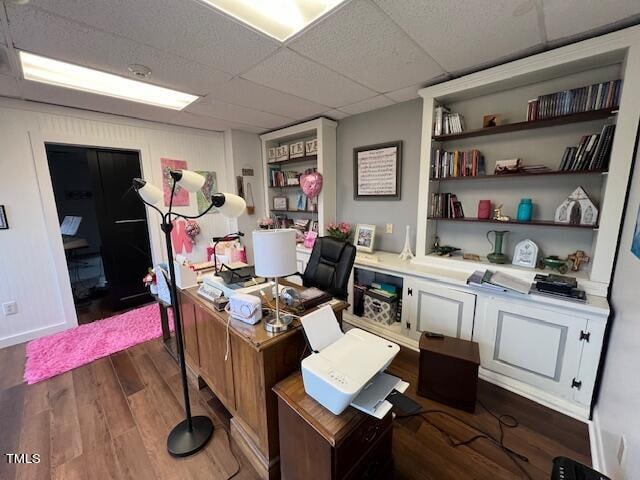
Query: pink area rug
x,y
64,351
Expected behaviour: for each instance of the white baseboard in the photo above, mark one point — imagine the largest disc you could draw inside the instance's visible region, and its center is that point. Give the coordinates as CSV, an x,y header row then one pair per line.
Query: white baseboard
x,y
595,442
32,334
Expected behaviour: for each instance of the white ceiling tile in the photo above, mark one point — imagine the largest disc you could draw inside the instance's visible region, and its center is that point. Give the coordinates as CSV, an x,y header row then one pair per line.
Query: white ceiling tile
x,y
98,103
243,92
192,120
404,94
42,33
187,28
564,18
9,86
367,105
290,72
362,43
215,108
461,35
335,114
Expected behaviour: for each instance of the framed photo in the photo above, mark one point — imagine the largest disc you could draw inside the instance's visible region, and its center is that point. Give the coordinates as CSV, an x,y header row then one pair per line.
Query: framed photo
x,y
492,120
4,224
377,171
365,237
280,203
301,201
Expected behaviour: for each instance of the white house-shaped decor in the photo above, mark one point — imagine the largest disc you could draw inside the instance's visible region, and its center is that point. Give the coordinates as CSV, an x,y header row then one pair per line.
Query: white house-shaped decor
x,y
577,209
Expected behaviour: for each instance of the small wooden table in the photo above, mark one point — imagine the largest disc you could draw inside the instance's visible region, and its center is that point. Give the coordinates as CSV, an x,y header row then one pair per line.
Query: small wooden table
x,y
243,381
316,444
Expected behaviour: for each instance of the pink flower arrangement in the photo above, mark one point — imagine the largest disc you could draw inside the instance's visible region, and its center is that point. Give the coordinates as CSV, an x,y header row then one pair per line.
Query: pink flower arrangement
x,y
341,231
192,229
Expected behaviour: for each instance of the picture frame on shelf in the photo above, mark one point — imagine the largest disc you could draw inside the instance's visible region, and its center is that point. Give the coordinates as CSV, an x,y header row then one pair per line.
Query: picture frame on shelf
x,y
311,147
272,154
282,153
365,237
4,223
491,120
296,150
301,201
577,209
526,254
377,171
280,203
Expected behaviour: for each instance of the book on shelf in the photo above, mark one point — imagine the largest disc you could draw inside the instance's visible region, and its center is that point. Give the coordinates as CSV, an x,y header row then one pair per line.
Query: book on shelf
x,y
591,153
457,163
498,281
446,122
576,100
445,205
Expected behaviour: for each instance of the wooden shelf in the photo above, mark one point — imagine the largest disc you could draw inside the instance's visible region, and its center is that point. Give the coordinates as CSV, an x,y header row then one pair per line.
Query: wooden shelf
x,y
284,186
533,124
536,223
522,174
294,211
308,158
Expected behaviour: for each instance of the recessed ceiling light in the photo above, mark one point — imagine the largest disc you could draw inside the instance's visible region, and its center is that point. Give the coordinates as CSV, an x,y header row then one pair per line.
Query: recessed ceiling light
x,y
62,74
279,19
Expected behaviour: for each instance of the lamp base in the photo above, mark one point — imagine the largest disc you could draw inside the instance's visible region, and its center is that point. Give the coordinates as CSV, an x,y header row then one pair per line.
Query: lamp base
x,y
278,323
182,442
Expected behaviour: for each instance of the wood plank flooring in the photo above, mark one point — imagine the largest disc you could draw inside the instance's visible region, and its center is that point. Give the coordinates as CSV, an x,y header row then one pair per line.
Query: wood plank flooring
x,y
110,420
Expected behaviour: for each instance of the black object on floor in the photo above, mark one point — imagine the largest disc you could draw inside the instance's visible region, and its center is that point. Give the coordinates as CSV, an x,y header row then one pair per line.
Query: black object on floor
x,y
565,468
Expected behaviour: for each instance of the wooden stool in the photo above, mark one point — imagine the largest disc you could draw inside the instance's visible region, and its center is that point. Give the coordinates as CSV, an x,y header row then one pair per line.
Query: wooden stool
x,y
448,371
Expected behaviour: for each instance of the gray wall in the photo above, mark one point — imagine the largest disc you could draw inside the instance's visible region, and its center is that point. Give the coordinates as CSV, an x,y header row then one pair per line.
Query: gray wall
x,y
398,122
617,412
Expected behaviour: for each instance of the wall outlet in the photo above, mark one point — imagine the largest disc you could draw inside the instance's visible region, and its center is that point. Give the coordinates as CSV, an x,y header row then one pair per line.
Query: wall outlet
x,y
10,308
389,228
622,450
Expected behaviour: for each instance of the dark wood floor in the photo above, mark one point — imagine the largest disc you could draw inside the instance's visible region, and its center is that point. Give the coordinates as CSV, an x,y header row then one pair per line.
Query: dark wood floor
x,y
110,419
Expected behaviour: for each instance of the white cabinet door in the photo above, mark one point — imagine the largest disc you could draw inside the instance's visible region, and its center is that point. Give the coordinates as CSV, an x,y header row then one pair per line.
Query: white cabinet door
x,y
539,346
436,308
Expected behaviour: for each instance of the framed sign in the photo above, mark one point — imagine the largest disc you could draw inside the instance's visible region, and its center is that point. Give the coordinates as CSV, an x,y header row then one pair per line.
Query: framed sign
x,y
365,237
377,171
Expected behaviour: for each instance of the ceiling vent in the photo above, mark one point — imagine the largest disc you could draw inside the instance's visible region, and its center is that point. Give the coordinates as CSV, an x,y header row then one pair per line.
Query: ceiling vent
x,y
139,71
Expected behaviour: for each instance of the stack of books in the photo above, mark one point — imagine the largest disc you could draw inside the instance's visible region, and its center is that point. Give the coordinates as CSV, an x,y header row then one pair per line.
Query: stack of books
x,y
592,153
445,205
447,122
558,286
592,97
498,282
387,290
457,164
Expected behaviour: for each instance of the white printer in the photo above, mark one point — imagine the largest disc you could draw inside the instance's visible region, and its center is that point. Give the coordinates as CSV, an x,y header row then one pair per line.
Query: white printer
x,y
348,368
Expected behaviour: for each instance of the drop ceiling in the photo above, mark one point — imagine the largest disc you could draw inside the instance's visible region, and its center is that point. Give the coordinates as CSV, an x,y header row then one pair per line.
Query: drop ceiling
x,y
364,55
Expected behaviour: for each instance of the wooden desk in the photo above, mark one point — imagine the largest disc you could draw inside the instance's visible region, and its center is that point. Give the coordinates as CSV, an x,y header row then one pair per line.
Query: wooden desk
x,y
318,445
243,383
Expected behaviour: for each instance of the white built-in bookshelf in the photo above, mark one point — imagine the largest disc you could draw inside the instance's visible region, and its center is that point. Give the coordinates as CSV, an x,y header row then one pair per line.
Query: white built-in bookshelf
x,y
505,90
324,160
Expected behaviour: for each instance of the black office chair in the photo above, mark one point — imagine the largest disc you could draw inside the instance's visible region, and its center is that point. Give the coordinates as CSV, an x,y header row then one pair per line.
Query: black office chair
x,y
330,266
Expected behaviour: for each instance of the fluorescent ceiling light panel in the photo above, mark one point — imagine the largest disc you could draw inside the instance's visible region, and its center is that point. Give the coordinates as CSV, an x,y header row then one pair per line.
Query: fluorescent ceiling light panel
x,y
62,74
279,19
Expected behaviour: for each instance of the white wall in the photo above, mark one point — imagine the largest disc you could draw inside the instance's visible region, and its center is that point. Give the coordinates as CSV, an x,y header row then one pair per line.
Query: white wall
x,y
33,269
618,409
243,150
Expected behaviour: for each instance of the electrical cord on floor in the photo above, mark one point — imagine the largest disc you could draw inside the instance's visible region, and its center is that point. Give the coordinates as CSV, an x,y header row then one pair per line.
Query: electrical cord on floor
x,y
504,421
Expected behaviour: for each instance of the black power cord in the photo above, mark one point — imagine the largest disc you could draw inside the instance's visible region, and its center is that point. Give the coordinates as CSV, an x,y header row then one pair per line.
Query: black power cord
x,y
504,421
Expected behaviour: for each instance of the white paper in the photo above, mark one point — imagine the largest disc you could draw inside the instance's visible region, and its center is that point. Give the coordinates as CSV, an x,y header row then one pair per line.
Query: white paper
x,y
70,225
321,328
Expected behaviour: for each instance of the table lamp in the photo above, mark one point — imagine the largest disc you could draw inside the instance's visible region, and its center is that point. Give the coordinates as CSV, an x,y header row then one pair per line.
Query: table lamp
x,y
274,253
193,433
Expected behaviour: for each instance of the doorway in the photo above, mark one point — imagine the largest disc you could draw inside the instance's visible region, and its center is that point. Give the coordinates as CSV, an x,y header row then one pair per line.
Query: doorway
x,y
103,227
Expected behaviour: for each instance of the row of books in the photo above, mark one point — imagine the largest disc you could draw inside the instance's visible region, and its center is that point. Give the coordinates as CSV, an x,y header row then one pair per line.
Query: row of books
x,y
592,97
282,178
457,164
387,290
592,153
446,122
282,221
445,205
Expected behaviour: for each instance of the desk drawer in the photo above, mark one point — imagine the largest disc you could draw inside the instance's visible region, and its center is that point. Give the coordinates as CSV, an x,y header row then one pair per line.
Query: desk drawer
x,y
363,439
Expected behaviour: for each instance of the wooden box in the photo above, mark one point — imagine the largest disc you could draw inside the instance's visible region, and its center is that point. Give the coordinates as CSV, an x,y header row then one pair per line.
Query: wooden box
x,y
448,371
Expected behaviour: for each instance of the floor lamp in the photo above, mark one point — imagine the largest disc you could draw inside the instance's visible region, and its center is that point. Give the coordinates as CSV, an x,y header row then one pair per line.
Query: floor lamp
x,y
193,433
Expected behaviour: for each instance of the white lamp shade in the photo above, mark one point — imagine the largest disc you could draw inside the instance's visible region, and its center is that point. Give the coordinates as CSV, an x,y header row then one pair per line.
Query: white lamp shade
x,y
233,206
274,252
191,181
150,193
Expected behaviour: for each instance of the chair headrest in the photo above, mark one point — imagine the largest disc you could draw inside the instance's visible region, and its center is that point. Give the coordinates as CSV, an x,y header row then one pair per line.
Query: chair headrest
x,y
331,249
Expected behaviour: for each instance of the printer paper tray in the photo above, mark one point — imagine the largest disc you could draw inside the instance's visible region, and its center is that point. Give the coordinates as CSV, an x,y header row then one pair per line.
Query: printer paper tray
x,y
371,398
